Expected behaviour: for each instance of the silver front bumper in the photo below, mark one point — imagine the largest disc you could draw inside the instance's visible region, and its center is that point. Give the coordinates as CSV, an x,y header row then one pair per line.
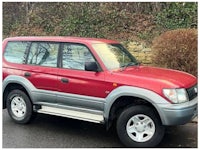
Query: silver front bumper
x,y
178,114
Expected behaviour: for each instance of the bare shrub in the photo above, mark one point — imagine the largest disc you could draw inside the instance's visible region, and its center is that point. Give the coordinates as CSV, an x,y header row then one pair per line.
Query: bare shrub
x,y
176,49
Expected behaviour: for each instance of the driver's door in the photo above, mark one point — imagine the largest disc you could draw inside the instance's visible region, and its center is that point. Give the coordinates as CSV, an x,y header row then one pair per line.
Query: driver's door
x,y
78,87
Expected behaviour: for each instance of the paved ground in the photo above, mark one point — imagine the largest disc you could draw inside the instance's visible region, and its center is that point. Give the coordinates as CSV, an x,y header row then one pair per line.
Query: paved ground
x,y
57,132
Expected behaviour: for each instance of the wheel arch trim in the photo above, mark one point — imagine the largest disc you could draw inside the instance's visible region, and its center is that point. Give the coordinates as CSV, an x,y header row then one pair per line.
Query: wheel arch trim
x,y
13,79
144,94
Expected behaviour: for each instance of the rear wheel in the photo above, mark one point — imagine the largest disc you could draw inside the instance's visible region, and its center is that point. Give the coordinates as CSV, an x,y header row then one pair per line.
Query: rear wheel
x,y
19,107
139,126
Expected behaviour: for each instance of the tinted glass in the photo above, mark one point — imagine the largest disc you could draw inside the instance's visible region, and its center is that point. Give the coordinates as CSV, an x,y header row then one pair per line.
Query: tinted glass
x,y
75,56
15,52
43,54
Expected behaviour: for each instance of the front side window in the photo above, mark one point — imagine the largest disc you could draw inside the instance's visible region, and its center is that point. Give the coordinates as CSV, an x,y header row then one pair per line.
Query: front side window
x,y
114,56
43,54
15,52
75,55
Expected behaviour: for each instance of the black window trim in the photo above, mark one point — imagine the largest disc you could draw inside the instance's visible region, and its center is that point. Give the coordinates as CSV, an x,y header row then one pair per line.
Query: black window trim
x,y
27,51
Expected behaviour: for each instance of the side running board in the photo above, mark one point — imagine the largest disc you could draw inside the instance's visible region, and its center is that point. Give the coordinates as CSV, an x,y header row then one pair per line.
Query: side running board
x,y
80,115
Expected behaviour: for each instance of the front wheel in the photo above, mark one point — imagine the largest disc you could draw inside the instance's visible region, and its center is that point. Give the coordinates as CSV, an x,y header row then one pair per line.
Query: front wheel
x,y
139,126
19,107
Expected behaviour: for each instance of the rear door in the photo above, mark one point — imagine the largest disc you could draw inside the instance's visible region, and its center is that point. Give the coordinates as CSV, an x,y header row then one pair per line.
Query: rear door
x,y
41,69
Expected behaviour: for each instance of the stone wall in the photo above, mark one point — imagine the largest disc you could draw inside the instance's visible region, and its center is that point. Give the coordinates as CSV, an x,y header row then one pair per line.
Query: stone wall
x,y
140,51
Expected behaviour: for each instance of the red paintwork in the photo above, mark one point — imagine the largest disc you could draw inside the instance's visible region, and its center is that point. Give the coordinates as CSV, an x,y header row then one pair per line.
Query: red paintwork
x,y
151,78
96,84
82,82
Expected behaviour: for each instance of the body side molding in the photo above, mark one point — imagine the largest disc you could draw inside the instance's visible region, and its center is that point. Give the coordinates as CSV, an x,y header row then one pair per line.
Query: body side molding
x,y
39,96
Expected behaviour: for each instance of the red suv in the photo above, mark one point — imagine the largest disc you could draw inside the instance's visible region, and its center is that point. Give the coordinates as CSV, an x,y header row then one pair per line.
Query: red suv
x,y
95,80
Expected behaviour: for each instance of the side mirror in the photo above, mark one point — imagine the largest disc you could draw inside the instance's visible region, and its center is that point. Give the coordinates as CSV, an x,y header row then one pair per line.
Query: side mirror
x,y
91,66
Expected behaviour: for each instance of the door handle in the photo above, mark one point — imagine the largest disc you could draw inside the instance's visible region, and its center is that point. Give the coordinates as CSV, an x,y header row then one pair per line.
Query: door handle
x,y
27,74
64,80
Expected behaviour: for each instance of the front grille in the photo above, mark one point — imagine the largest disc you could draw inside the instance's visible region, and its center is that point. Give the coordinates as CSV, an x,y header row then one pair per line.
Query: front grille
x,y
192,92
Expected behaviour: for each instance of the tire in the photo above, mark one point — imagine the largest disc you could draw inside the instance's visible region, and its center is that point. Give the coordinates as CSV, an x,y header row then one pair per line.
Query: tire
x,y
139,126
19,107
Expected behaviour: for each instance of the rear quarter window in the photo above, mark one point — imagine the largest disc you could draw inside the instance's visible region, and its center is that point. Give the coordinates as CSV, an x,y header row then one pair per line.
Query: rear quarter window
x,y
15,52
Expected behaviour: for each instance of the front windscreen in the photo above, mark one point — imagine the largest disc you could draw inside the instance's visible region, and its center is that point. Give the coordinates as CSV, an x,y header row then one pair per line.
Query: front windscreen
x,y
114,56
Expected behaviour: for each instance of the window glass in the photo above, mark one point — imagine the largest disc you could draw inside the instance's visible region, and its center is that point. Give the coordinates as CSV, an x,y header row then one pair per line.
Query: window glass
x,y
43,54
114,55
15,52
75,56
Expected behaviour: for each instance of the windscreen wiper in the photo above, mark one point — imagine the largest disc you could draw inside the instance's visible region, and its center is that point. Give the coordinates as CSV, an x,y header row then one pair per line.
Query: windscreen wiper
x,y
129,64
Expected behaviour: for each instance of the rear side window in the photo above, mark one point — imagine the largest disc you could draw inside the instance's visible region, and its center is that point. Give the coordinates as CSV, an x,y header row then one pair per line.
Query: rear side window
x,y
15,52
43,54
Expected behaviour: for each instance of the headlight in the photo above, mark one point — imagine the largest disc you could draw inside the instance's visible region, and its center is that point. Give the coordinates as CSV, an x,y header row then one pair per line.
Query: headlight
x,y
176,95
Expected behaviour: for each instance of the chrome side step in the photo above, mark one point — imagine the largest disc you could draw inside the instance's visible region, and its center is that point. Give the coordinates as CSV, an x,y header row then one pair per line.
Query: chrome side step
x,y
80,115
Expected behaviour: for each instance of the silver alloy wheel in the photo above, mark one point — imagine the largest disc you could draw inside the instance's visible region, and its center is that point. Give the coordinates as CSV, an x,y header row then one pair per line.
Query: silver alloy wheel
x,y
18,106
140,128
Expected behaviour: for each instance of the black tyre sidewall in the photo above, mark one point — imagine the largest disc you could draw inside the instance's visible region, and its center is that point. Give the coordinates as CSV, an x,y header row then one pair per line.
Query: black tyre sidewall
x,y
130,112
29,109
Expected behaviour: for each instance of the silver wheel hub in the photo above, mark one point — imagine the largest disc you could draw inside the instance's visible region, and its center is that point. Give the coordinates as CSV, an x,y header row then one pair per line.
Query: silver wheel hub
x,y
140,128
18,106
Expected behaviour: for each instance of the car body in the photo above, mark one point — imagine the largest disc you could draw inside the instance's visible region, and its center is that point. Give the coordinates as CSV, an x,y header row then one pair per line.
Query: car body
x,y
95,80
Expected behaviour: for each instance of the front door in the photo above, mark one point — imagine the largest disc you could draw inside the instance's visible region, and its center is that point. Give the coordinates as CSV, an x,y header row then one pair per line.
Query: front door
x,y
77,86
